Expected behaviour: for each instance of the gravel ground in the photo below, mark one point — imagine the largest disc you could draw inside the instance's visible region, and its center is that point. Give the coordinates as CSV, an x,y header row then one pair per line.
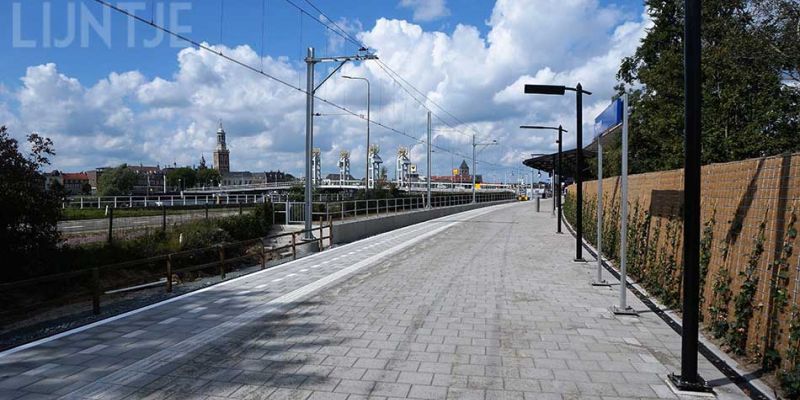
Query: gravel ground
x,y
60,319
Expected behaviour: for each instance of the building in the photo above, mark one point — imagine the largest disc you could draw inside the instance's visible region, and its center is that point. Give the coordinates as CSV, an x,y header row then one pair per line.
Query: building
x,y
222,159
76,183
255,178
463,169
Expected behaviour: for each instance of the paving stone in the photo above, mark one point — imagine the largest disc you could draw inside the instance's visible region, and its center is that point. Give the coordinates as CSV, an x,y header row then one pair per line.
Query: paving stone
x,y
427,318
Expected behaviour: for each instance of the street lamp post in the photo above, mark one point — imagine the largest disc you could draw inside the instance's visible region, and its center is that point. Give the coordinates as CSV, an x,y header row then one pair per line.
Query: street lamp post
x,y
474,163
556,189
366,181
689,380
560,90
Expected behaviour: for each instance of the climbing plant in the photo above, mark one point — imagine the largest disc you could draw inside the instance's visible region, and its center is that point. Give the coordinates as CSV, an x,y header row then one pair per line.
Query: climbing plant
x,y
789,376
706,240
779,294
721,297
743,302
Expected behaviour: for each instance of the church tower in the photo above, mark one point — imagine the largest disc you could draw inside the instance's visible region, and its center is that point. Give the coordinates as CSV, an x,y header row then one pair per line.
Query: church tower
x,y
222,161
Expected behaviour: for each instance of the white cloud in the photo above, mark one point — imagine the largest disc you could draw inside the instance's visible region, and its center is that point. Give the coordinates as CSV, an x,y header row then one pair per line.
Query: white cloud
x,y
127,117
426,10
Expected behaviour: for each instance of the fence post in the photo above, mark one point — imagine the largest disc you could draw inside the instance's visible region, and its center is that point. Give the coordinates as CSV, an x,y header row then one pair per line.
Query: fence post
x,y
240,209
206,208
164,219
320,233
222,262
130,201
169,273
263,257
96,291
294,247
330,232
110,224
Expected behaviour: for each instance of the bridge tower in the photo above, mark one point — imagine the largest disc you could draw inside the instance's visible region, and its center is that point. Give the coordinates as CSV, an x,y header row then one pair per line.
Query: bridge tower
x,y
375,162
403,167
316,167
344,166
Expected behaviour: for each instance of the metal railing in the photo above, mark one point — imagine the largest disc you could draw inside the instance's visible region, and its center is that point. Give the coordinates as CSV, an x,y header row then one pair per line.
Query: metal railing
x,y
85,284
343,210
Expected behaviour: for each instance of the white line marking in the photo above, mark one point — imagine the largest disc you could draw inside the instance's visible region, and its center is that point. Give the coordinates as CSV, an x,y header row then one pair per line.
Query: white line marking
x,y
384,236
261,286
305,269
277,280
72,227
93,349
168,321
39,370
133,334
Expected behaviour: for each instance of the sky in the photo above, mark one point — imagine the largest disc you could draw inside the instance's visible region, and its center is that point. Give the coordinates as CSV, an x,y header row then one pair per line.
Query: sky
x,y
111,90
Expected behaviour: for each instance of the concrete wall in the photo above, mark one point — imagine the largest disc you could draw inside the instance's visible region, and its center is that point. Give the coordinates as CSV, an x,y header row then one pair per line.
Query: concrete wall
x,y
749,212
351,231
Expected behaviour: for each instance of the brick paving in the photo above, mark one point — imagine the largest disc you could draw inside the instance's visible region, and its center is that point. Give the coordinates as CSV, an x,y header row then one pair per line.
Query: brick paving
x,y
484,304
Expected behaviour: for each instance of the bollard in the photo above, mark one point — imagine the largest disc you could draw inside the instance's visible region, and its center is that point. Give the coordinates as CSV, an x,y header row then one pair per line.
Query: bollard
x,y
169,273
96,291
222,262
537,203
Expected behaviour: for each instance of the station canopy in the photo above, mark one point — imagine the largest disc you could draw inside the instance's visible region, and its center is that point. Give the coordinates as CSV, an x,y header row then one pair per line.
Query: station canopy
x,y
607,127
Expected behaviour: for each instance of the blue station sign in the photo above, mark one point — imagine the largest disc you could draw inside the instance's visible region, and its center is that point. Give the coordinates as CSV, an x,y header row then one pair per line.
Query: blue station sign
x,y
609,119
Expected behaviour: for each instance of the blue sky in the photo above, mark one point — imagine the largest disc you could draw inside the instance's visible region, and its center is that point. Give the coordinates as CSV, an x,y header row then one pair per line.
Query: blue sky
x,y
105,104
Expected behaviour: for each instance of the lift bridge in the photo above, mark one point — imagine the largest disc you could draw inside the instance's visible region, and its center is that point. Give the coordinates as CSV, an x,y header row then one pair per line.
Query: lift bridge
x,y
417,186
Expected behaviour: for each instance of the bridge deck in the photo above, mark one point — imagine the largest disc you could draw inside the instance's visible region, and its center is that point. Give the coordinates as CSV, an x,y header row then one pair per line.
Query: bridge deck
x,y
481,305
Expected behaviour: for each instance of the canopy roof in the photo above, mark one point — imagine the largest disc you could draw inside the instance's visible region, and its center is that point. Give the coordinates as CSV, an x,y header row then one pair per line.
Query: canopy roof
x,y
569,158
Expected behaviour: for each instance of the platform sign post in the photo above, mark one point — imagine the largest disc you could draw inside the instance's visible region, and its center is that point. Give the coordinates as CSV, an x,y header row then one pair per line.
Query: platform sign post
x,y
624,308
608,121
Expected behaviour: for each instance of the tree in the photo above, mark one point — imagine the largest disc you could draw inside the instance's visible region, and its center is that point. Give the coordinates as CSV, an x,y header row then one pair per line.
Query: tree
x,y
747,110
208,176
182,178
117,181
29,219
86,189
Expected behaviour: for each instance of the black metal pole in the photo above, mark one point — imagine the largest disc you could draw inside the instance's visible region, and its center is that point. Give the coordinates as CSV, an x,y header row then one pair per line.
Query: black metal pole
x,y
558,195
578,178
164,219
689,379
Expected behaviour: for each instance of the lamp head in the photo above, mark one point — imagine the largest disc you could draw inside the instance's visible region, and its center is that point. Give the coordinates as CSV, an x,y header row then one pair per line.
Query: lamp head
x,y
545,89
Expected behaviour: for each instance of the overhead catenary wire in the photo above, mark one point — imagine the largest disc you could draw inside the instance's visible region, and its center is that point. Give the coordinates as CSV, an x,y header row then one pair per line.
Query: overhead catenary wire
x,y
221,54
394,75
